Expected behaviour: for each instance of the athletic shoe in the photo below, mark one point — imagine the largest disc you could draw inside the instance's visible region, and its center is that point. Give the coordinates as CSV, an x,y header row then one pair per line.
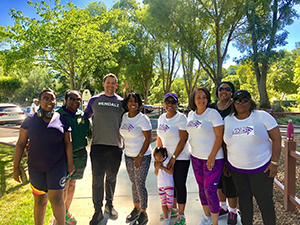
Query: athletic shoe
x,y
97,217
143,219
133,216
206,221
166,222
180,220
110,210
232,218
70,219
174,213
54,222
223,212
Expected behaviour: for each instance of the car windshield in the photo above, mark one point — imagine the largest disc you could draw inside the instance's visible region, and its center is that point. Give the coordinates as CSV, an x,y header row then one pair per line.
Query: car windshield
x,y
9,109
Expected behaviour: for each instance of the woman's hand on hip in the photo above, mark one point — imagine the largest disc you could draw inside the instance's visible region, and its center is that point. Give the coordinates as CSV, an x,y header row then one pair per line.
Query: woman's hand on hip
x,y
138,162
273,170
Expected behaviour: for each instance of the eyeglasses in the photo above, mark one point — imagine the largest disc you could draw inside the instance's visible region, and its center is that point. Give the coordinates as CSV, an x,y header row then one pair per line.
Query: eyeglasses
x,y
47,99
227,89
241,100
75,99
170,102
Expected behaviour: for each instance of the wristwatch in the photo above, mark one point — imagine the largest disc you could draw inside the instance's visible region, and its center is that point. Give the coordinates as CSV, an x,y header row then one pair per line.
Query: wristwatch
x,y
174,156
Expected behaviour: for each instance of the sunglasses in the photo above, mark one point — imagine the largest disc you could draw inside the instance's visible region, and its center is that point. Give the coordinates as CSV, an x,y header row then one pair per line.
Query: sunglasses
x,y
241,100
170,102
75,99
227,89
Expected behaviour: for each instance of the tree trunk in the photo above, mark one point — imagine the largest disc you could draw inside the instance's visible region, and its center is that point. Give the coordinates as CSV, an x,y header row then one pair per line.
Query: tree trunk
x,y
264,98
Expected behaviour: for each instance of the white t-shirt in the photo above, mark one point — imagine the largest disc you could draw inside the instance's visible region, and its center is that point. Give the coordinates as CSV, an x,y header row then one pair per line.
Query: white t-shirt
x,y
168,131
33,106
164,179
131,130
202,135
247,140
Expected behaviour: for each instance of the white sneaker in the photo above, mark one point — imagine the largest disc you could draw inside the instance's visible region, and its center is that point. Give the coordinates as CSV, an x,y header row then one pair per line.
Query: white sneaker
x,y
166,222
206,221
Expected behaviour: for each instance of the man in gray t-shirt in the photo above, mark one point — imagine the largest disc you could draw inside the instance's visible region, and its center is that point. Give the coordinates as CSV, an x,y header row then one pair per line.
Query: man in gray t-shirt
x,y
106,149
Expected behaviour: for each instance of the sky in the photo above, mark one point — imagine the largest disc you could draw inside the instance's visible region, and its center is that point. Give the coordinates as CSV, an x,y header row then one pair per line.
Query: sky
x,y
5,20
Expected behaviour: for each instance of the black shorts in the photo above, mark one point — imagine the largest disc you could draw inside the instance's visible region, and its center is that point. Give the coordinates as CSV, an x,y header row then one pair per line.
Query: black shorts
x,y
228,187
54,179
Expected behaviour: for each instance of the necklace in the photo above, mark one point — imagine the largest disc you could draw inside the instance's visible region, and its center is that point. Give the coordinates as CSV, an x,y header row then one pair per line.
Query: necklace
x,y
229,100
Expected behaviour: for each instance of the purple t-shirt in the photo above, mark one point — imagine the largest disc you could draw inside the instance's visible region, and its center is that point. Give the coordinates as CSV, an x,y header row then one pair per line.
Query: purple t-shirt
x,y
47,147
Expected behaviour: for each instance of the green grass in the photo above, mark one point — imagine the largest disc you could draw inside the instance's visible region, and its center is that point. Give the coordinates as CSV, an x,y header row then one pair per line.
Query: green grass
x,y
16,200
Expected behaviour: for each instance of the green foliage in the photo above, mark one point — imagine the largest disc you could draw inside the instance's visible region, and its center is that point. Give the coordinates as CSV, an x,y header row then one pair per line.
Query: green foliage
x,y
66,38
34,82
265,31
8,86
285,120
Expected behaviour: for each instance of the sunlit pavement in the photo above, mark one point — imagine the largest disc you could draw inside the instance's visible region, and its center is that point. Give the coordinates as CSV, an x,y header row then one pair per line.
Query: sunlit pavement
x,y
82,206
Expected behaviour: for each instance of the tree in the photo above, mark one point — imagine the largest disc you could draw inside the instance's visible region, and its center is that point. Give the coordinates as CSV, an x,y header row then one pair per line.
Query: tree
x,y
137,57
8,86
203,27
66,38
280,80
266,21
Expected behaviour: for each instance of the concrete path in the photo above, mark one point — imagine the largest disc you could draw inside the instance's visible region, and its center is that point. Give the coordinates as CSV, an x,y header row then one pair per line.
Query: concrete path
x,y
82,206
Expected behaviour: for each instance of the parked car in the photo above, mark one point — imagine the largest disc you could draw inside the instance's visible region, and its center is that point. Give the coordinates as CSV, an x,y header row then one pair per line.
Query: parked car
x,y
26,110
148,108
11,113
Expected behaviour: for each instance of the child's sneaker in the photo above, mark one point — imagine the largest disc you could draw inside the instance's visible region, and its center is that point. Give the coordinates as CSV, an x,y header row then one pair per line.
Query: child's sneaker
x,y
206,221
70,219
180,220
174,213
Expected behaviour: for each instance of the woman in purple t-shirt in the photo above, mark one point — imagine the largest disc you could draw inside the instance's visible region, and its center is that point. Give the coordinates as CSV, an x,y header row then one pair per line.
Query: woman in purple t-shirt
x,y
50,157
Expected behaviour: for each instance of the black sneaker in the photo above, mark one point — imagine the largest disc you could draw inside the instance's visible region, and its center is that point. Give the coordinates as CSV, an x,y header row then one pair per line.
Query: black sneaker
x,y
97,217
143,219
232,218
133,216
223,212
110,210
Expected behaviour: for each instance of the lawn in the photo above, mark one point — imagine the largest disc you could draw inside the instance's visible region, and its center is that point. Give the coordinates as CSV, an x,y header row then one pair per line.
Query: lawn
x,y
16,200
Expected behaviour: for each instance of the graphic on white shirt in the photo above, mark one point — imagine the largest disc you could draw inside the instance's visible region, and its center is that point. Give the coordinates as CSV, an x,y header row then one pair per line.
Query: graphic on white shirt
x,y
163,127
194,123
129,127
243,131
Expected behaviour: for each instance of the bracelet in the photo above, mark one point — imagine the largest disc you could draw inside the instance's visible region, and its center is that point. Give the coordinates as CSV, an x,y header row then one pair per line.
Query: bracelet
x,y
274,163
174,156
141,154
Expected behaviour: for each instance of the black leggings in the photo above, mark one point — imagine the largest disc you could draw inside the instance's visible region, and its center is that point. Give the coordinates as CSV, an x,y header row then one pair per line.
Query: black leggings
x,y
259,185
181,169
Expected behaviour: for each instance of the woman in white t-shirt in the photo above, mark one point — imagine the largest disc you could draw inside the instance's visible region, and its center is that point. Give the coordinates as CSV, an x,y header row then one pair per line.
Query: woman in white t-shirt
x,y
252,158
205,127
171,134
136,131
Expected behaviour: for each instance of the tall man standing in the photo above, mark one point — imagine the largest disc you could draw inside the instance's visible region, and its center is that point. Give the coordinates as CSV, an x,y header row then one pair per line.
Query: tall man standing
x,y
106,152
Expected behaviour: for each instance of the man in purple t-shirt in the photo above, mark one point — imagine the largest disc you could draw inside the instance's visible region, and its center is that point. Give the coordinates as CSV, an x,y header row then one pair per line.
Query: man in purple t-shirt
x,y
106,149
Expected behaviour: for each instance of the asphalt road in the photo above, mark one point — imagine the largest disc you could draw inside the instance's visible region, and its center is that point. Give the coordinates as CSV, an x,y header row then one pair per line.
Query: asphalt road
x,y
9,132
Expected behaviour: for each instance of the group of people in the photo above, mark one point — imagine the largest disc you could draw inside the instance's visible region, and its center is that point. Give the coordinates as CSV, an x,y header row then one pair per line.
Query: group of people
x,y
233,148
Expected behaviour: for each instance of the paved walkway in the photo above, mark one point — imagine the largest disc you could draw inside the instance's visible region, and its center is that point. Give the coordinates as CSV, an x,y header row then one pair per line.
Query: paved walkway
x,y
82,206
